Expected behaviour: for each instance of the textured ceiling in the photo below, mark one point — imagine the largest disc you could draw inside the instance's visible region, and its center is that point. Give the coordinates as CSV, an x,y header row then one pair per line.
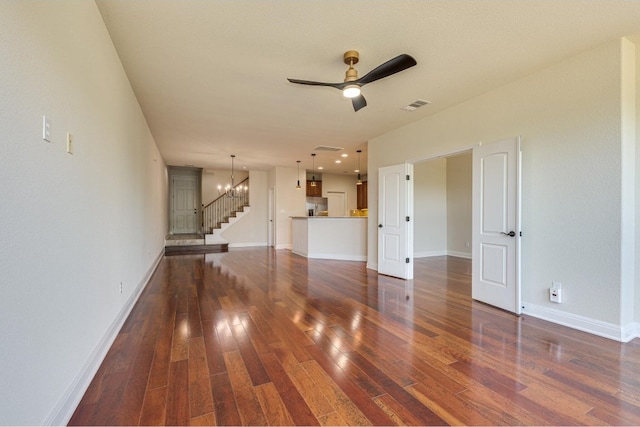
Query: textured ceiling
x,y
211,76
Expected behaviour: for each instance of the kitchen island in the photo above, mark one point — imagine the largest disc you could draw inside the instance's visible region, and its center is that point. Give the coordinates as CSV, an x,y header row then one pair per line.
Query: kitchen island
x,y
330,237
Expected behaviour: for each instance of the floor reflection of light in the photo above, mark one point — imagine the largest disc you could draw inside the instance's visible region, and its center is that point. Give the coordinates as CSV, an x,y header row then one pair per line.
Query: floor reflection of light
x,y
356,320
334,352
555,349
317,330
357,338
342,361
184,328
296,317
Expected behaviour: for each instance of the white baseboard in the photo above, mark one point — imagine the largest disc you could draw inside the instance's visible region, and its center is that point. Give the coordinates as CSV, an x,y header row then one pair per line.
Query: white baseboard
x,y
64,409
457,254
284,246
247,245
630,331
582,323
427,254
338,257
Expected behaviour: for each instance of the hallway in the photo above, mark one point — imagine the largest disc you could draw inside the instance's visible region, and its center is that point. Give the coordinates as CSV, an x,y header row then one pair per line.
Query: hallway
x,y
263,337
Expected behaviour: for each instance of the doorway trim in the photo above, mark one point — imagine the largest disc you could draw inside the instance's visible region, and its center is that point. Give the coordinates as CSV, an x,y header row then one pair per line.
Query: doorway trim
x,y
174,171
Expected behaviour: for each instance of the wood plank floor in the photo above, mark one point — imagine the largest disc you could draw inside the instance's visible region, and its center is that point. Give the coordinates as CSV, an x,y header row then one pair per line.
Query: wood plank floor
x,y
263,337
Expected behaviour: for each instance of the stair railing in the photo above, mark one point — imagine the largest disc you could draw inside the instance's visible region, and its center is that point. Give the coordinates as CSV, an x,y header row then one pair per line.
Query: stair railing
x,y
221,209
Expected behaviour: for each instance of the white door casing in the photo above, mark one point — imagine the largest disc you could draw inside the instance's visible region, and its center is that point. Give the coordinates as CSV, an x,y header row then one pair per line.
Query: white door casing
x,y
395,228
271,230
185,204
496,224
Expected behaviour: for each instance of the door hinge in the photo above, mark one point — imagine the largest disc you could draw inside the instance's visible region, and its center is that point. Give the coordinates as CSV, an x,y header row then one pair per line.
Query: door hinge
x,y
406,260
407,219
408,178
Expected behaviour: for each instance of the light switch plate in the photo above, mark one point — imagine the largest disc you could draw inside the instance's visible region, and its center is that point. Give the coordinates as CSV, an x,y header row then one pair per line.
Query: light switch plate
x,y
69,143
46,128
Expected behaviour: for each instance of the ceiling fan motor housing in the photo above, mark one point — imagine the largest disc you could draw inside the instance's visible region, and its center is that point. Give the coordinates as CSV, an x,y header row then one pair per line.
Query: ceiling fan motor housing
x,y
351,58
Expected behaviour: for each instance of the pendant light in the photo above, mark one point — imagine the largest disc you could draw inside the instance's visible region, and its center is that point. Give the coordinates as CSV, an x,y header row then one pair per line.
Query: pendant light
x,y
359,178
298,186
313,177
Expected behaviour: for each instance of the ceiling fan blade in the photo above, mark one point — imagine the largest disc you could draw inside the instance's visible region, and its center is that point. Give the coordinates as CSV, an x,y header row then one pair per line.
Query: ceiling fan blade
x,y
358,102
310,83
392,66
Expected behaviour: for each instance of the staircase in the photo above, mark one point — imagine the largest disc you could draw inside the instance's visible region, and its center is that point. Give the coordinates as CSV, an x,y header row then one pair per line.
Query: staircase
x,y
220,214
217,216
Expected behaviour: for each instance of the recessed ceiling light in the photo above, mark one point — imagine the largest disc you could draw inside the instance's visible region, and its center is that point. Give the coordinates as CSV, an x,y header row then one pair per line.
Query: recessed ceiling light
x,y
357,171
344,155
320,167
338,161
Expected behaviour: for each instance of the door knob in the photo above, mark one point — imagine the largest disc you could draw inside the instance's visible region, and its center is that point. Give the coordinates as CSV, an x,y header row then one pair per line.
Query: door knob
x,y
510,234
379,225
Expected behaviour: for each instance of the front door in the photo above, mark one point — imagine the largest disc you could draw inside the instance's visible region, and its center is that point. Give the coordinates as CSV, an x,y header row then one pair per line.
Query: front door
x,y
185,204
395,230
496,224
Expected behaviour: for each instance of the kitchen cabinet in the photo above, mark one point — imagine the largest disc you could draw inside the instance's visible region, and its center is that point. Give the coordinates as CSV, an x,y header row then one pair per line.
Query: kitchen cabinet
x,y
314,191
361,193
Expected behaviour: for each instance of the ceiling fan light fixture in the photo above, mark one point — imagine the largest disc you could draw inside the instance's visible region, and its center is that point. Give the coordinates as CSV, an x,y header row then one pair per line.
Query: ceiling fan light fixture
x,y
351,91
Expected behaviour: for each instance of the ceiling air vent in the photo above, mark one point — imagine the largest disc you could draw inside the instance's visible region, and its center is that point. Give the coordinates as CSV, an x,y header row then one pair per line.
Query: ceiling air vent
x,y
415,105
327,148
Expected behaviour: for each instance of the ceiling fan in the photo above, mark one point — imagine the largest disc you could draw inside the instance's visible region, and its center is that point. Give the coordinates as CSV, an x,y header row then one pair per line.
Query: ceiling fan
x,y
351,86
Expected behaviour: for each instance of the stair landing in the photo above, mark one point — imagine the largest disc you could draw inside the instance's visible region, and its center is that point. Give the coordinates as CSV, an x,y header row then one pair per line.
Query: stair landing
x,y
185,244
184,239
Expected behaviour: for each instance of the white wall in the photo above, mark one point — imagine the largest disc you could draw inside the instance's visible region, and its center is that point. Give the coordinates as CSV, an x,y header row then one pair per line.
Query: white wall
x,y
430,208
569,118
442,206
289,202
459,209
636,293
341,183
212,178
251,229
75,226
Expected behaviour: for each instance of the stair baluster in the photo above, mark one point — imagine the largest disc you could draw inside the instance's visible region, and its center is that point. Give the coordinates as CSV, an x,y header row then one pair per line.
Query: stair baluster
x,y
224,207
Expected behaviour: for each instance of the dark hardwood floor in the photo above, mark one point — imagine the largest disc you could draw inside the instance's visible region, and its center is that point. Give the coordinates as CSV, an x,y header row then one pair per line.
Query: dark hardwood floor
x,y
263,337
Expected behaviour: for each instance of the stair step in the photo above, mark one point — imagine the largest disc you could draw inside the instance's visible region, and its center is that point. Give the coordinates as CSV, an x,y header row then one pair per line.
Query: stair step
x,y
184,242
196,249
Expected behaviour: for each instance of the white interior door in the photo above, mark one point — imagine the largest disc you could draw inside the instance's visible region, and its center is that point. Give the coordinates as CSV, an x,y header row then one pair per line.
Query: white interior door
x,y
336,203
185,204
395,231
496,224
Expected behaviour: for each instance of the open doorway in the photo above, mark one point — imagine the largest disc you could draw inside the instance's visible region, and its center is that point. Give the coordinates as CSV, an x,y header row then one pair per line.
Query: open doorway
x,y
443,213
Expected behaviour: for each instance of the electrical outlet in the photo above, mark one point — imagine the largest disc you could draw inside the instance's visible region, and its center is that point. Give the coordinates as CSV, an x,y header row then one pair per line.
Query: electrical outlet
x,y
555,292
120,287
467,244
